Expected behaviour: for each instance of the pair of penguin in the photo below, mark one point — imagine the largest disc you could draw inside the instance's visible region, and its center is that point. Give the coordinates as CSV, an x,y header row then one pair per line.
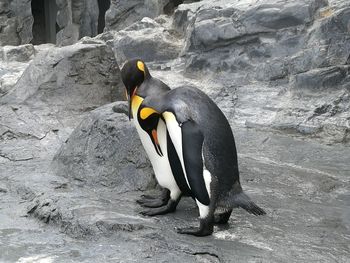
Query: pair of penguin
x,y
191,148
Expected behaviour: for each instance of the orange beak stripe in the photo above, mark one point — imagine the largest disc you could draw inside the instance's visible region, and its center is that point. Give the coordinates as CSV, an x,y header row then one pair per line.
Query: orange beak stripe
x,y
155,136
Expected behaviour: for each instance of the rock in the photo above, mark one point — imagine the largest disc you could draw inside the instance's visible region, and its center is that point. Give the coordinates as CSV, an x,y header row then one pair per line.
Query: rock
x,y
123,13
79,77
10,72
16,22
105,150
321,79
21,53
216,23
76,19
269,35
148,40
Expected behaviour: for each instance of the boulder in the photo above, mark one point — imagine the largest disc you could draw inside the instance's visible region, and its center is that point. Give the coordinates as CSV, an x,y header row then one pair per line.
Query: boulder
x,y
77,77
105,150
122,14
279,37
146,39
20,53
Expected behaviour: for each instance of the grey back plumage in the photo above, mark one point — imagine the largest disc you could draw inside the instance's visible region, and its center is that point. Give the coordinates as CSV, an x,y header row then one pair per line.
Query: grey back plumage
x,y
219,149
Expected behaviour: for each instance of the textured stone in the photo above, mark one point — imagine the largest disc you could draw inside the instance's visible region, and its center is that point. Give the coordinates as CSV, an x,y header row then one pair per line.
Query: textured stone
x,y
80,76
16,22
146,39
122,14
21,53
76,19
105,150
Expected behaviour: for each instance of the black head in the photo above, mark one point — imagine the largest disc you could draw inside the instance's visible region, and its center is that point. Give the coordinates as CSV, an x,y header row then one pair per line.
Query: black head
x,y
134,72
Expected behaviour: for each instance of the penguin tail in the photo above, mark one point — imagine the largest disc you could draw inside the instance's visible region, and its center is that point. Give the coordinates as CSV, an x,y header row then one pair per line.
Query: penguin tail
x,y
243,201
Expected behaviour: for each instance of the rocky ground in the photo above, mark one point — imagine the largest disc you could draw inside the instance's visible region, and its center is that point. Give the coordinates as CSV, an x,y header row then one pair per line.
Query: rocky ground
x,y
72,166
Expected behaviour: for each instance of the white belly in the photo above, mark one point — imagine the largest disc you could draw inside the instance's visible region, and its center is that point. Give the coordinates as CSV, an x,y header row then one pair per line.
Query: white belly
x,y
160,164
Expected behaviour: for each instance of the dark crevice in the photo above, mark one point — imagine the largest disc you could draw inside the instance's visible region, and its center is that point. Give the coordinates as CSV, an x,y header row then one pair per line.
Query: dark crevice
x,y
44,27
15,160
103,6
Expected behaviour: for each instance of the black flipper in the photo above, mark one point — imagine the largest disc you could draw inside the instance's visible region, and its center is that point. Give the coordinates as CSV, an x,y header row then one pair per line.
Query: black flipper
x,y
192,142
176,167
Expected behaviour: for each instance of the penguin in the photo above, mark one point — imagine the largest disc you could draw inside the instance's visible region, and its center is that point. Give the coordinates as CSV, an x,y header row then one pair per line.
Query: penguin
x,y
139,85
204,152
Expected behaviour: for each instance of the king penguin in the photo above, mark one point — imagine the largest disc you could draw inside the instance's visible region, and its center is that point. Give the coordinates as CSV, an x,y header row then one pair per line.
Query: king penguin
x,y
139,85
204,150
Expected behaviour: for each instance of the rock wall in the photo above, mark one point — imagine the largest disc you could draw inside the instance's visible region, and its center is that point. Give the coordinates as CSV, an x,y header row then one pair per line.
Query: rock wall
x,y
76,19
77,77
124,13
16,22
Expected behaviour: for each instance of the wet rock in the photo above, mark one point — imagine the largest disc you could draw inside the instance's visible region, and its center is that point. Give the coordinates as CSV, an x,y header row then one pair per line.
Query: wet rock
x,y
80,77
148,40
105,150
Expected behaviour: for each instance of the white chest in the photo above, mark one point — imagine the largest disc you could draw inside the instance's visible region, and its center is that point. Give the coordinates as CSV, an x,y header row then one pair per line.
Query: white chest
x,y
160,164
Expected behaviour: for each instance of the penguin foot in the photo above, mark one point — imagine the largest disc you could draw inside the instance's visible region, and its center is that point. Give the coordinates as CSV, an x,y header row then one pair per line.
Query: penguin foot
x,y
205,228
222,218
168,208
152,203
196,231
164,195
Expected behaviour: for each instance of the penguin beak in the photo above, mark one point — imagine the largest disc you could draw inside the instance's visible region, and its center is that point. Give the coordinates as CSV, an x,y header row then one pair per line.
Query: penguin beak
x,y
127,97
154,138
129,100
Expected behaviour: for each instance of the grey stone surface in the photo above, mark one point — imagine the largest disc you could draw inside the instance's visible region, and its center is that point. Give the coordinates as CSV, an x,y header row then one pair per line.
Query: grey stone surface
x,y
146,39
21,53
80,76
16,22
122,14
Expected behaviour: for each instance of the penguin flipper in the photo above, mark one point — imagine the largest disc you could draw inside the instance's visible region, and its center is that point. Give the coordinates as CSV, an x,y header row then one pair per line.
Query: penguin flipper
x,y
192,143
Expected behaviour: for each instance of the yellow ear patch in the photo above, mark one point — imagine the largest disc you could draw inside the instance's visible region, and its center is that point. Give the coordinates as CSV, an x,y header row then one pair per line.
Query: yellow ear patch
x,y
146,112
141,66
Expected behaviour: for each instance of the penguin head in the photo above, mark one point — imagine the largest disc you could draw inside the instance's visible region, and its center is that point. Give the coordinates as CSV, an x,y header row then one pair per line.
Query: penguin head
x,y
134,72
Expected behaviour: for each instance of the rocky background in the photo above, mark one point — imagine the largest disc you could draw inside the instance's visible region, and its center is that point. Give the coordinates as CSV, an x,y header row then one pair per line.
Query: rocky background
x,y
72,166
